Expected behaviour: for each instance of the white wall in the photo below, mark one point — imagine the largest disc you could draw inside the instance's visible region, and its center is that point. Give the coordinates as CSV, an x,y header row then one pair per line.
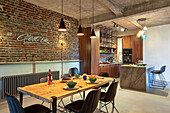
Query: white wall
x,y
16,69
156,48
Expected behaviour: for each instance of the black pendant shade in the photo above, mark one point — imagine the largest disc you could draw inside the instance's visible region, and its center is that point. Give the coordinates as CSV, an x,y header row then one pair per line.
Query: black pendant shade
x,y
80,31
62,26
93,35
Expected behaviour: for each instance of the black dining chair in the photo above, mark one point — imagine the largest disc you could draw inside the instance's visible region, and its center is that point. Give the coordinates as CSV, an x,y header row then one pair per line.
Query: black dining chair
x,y
85,106
43,79
161,82
104,74
109,97
72,72
15,106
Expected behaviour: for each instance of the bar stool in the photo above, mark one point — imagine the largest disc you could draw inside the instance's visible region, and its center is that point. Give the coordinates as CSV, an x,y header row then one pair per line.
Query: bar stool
x,y
161,81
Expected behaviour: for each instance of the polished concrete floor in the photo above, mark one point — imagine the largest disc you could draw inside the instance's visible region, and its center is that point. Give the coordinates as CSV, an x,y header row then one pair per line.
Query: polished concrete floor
x,y
127,101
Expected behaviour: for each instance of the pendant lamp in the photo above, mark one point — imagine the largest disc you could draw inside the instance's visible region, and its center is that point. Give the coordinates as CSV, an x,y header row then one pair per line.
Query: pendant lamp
x,y
80,31
62,26
93,35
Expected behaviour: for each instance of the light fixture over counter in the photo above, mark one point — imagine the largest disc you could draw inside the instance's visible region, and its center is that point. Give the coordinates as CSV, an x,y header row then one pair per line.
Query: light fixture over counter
x,y
93,35
80,31
62,26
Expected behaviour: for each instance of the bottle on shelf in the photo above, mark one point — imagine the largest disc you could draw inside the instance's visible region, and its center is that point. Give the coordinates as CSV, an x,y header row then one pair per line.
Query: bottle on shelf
x,y
49,76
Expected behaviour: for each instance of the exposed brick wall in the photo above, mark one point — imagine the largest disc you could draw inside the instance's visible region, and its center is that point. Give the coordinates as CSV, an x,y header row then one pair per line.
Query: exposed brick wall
x,y
19,17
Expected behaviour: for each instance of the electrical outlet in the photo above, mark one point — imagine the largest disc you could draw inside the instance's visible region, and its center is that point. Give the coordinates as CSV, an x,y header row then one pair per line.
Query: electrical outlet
x,y
1,8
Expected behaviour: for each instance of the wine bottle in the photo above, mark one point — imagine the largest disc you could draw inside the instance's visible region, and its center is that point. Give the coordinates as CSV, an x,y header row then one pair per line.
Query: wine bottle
x,y
49,77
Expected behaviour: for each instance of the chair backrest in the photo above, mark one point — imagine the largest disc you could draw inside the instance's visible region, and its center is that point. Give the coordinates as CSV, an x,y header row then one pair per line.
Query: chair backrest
x,y
43,79
73,71
111,92
66,76
163,69
103,74
91,101
14,105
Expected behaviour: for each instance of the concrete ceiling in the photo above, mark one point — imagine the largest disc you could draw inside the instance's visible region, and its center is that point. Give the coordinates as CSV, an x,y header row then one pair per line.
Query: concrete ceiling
x,y
124,12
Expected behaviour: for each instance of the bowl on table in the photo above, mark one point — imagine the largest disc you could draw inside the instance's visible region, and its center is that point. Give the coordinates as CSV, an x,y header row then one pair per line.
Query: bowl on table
x,y
92,79
144,64
71,84
77,75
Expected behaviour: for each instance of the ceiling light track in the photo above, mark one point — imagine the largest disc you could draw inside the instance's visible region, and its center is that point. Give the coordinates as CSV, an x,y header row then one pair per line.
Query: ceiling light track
x,y
117,26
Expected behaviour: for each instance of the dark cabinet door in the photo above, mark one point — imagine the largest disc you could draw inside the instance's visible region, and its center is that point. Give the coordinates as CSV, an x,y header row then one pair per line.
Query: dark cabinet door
x,y
105,69
112,70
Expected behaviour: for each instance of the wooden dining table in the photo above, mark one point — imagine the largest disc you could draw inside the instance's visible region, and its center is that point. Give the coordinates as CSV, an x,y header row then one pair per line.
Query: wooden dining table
x,y
52,93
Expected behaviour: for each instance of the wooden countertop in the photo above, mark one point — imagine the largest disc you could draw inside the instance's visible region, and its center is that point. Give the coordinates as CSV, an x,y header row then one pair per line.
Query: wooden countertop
x,y
111,63
137,66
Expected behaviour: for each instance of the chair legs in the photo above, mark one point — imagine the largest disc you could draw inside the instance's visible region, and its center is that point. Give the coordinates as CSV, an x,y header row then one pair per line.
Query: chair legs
x,y
61,101
104,104
71,98
158,83
43,103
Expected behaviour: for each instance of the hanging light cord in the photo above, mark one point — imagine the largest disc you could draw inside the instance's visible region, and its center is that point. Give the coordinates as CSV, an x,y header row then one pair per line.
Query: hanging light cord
x,y
80,13
93,12
62,8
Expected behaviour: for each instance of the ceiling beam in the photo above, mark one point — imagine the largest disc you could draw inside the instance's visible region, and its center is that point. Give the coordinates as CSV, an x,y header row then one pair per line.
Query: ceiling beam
x,y
146,6
113,6
134,22
99,18
139,9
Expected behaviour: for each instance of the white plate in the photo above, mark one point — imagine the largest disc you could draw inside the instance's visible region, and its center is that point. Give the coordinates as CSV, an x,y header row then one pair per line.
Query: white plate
x,y
67,88
88,82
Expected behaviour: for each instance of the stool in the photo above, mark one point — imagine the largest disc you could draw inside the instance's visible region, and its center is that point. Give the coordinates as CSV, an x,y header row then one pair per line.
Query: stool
x,y
161,81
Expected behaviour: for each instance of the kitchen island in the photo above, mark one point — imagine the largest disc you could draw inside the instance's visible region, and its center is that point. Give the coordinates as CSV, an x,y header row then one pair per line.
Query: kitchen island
x,y
113,69
135,77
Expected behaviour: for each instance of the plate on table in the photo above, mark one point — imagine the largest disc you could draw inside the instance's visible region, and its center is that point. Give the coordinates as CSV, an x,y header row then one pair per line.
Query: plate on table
x,y
88,82
67,88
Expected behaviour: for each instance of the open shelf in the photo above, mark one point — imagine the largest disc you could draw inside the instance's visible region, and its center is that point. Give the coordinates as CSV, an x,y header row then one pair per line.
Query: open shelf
x,y
107,47
106,53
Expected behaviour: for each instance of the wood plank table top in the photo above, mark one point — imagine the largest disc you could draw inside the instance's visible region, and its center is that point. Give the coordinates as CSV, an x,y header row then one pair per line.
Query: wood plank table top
x,y
44,92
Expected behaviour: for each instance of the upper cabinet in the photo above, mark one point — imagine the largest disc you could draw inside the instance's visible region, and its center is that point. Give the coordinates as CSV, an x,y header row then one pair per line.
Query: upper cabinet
x,y
127,41
137,47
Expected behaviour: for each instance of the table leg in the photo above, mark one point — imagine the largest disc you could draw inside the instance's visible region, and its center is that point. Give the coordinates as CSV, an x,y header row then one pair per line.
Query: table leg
x,y
54,105
84,95
21,98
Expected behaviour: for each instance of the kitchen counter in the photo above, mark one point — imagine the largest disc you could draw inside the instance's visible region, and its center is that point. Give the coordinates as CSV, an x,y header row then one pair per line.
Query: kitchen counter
x,y
134,77
113,69
111,63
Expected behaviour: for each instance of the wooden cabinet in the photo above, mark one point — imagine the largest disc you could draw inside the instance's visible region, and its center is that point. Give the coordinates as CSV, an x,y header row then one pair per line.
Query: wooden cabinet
x,y
127,42
137,49
85,51
137,46
112,69
115,70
